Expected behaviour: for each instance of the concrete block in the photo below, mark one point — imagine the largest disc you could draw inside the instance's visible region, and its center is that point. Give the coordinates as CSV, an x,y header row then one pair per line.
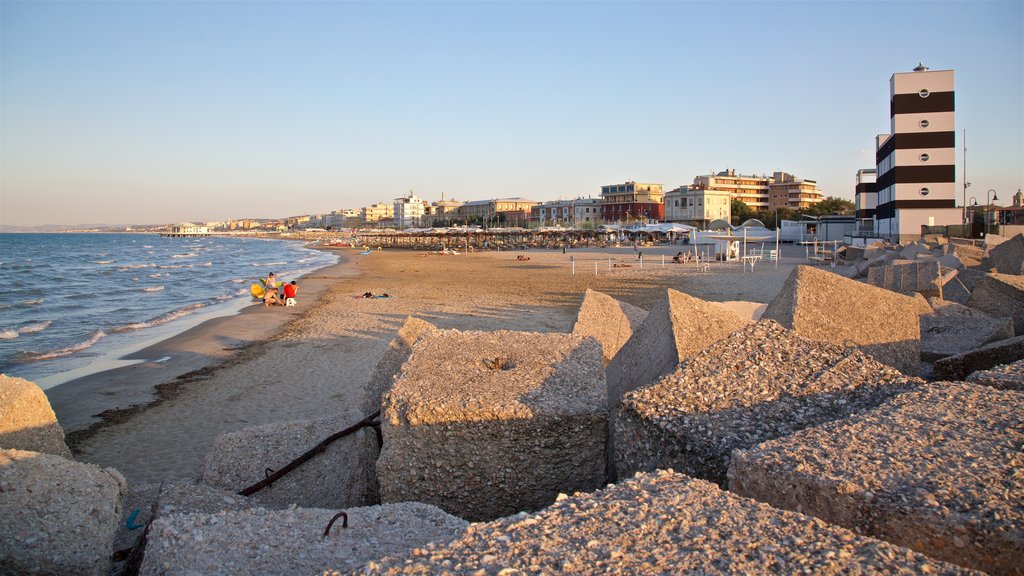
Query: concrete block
x,y
1000,295
823,306
285,542
390,363
1007,257
58,516
948,335
27,421
913,250
759,383
1005,377
959,366
661,523
937,470
340,476
678,327
486,424
919,276
608,320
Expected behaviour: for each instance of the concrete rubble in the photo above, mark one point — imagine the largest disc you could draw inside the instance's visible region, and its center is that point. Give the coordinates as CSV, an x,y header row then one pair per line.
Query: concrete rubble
x,y
959,366
340,476
761,382
1008,256
955,329
1005,377
390,363
823,306
27,421
485,424
58,516
608,320
292,541
678,327
1001,295
659,523
939,470
921,276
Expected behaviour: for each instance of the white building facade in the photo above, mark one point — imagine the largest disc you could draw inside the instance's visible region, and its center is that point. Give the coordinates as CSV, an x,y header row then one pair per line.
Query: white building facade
x,y
697,206
409,210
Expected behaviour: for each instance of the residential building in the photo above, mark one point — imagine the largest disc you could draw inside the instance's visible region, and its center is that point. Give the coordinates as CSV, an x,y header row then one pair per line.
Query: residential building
x,y
631,201
697,206
578,212
508,211
865,199
916,161
442,212
344,218
409,210
780,190
375,213
788,191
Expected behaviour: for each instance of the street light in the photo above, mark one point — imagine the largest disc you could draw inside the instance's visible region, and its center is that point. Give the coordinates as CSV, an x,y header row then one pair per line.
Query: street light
x,y
987,204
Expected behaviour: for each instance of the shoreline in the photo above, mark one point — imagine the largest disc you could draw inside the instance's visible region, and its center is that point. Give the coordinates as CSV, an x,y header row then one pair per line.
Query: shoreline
x,y
94,399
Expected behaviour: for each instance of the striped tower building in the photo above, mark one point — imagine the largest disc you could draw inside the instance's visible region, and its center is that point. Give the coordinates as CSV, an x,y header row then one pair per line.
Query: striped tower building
x,y
917,160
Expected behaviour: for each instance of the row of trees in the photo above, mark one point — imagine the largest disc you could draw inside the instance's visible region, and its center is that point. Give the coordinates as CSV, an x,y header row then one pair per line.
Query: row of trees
x,y
830,206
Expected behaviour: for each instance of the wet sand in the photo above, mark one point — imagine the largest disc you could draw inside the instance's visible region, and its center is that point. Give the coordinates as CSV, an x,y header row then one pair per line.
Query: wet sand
x,y
313,360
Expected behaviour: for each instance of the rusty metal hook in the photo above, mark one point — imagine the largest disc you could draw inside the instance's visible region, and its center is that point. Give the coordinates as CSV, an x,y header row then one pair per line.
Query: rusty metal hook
x,y
344,522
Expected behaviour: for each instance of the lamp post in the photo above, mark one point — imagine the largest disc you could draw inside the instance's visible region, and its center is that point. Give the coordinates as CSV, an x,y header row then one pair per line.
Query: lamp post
x,y
988,203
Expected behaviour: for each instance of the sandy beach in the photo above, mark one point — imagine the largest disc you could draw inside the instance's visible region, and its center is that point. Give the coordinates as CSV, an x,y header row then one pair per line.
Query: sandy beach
x,y
276,364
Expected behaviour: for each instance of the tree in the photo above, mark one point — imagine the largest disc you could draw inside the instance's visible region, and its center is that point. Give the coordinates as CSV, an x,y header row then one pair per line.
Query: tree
x,y
831,205
741,212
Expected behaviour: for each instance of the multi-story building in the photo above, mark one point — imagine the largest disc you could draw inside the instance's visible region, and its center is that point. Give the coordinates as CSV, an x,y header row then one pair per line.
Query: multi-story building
x,y
510,211
697,206
442,212
578,212
631,201
865,199
409,210
780,190
344,218
374,213
916,161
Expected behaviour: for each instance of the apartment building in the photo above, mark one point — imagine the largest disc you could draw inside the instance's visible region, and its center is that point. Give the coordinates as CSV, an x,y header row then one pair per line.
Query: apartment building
x,y
374,213
865,198
631,200
697,206
578,212
409,210
513,211
441,212
788,191
916,161
780,190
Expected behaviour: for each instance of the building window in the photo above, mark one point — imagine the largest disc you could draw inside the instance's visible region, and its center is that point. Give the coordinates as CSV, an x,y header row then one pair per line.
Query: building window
x,y
924,157
924,191
923,123
923,93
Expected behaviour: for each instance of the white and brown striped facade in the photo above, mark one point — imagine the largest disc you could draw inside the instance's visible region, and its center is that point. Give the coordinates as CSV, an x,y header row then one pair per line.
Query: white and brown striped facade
x,y
916,162
865,195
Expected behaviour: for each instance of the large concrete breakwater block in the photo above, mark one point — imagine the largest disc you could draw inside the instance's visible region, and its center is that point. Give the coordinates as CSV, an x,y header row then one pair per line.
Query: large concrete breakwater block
x,y
1001,295
57,516
824,306
678,327
485,424
27,421
1008,257
924,276
342,475
390,363
761,382
939,470
945,334
960,366
1006,376
660,523
610,321
272,542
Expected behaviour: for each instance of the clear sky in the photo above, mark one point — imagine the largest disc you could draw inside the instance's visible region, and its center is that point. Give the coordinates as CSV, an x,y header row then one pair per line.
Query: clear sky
x,y
159,112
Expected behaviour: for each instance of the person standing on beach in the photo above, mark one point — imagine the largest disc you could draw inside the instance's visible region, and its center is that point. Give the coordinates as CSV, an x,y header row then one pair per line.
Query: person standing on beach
x,y
270,297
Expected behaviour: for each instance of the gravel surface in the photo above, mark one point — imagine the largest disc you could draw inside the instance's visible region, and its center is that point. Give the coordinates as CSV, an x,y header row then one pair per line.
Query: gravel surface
x,y
660,523
1005,377
824,306
939,470
608,320
485,424
342,475
26,420
57,516
761,382
1001,295
677,327
395,355
290,541
943,336
959,366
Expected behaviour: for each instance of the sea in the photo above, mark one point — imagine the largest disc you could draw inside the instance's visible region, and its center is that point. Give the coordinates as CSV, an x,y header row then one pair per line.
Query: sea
x,y
76,303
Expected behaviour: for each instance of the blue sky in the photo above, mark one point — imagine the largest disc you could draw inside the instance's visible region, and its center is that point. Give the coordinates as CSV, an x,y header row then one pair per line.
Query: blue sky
x,y
150,112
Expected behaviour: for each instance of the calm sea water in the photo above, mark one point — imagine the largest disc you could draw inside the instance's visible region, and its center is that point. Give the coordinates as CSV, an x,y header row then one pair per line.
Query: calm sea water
x,y
73,299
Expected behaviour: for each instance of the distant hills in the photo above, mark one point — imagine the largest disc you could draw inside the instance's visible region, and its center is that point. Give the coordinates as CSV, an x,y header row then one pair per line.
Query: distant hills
x,y
4,228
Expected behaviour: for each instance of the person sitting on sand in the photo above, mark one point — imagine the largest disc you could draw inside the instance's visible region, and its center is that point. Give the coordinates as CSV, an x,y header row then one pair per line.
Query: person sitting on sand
x,y
678,258
290,290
